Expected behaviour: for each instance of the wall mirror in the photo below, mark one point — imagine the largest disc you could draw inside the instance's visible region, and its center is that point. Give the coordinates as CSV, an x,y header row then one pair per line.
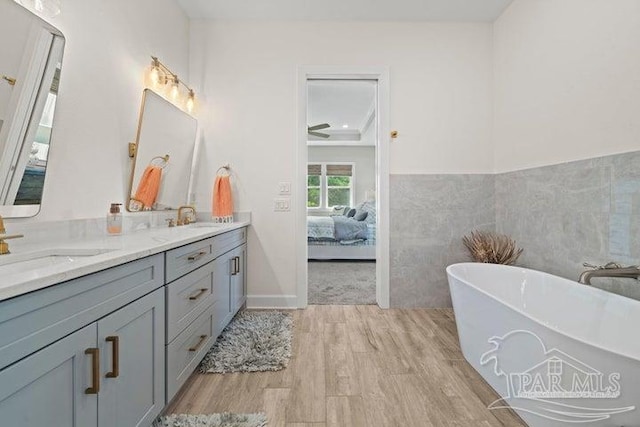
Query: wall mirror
x,y
30,63
162,156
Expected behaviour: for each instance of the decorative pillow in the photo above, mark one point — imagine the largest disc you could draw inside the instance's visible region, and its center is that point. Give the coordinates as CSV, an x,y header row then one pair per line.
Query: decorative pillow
x,y
346,210
360,215
370,208
351,213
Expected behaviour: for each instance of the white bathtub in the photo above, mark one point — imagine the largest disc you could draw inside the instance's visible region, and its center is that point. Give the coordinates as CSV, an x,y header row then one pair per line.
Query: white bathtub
x,y
559,352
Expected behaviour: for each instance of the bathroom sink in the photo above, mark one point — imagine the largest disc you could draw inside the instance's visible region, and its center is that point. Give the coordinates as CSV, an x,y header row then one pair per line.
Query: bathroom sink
x,y
23,262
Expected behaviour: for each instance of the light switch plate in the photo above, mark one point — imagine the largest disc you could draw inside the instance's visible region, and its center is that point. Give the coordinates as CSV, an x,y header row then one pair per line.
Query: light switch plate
x,y
284,188
282,205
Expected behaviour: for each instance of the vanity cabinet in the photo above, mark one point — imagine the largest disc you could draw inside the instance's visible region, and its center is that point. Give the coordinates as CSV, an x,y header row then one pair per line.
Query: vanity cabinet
x,y
113,347
202,301
110,372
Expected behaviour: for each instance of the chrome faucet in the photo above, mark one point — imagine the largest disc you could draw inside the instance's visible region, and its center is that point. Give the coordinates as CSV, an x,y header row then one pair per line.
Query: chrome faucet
x,y
611,269
4,246
186,220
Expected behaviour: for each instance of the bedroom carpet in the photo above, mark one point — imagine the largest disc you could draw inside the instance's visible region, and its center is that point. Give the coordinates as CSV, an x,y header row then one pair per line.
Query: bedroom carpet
x,y
346,282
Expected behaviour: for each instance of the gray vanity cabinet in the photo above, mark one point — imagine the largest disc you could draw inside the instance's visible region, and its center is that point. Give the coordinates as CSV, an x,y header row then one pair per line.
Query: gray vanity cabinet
x,y
202,299
106,370
48,387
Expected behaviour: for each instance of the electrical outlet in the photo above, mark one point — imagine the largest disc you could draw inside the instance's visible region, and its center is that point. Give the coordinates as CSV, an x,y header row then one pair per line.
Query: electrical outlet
x,y
284,188
281,205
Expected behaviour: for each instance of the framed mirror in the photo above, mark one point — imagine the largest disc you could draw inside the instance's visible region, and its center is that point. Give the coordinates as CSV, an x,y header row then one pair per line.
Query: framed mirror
x,y
162,156
30,63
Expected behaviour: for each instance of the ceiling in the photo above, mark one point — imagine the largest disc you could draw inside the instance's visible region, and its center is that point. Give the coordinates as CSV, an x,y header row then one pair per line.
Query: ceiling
x,y
346,10
345,105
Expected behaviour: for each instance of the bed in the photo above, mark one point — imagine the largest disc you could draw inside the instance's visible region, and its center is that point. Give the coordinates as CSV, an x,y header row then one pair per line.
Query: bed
x,y
339,237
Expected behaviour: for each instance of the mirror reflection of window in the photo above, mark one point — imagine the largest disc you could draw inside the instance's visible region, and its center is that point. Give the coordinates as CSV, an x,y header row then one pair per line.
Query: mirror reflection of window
x,y
32,183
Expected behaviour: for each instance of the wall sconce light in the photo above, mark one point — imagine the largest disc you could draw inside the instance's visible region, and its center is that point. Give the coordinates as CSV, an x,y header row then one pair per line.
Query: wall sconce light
x,y
164,80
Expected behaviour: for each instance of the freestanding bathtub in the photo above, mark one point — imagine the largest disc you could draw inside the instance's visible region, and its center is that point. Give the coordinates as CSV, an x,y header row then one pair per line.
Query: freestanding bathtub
x,y
557,352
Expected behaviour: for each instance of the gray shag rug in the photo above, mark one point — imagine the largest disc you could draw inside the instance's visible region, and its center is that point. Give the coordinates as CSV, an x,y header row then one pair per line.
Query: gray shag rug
x,y
253,341
212,420
342,282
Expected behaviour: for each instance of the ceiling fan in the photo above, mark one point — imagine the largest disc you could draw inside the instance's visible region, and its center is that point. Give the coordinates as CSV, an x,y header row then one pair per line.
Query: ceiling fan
x,y
312,130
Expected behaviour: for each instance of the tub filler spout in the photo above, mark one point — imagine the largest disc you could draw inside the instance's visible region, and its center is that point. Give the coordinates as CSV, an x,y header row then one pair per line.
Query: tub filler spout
x,y
610,269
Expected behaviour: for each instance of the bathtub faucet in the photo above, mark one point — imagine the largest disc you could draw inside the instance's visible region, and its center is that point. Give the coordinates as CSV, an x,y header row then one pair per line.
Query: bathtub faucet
x,y
611,269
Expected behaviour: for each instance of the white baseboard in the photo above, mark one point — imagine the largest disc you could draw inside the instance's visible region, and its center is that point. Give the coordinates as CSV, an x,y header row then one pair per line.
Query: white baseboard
x,y
272,301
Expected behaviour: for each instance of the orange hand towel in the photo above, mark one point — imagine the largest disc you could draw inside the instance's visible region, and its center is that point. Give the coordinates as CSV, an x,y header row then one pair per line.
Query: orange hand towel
x,y
222,200
149,186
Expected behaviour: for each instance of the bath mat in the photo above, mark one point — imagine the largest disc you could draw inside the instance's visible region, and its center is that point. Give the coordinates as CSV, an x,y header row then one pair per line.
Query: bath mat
x,y
212,420
253,341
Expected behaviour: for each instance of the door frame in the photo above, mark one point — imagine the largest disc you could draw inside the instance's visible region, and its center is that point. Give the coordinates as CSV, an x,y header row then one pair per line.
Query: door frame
x,y
381,74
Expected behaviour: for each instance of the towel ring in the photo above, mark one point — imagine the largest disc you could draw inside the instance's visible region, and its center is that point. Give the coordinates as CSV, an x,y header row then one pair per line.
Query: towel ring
x,y
225,168
163,159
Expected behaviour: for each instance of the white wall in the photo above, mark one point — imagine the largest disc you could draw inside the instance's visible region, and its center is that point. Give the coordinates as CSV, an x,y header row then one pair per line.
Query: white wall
x,y
365,164
567,83
108,48
440,104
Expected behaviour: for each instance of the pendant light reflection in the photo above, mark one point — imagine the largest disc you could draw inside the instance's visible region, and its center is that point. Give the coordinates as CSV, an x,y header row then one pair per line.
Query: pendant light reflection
x,y
168,84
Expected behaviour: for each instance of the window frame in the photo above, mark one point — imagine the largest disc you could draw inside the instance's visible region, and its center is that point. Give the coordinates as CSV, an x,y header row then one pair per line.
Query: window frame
x,y
324,185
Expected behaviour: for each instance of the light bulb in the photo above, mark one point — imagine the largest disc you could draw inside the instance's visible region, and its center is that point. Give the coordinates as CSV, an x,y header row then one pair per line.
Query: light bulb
x,y
191,100
175,90
155,76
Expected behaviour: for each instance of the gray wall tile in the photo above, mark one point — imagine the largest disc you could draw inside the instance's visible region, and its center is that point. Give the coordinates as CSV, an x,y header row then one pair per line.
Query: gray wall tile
x,y
562,215
429,214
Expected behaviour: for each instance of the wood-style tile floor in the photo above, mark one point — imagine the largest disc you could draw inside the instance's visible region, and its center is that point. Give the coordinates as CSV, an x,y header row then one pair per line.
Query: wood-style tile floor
x,y
359,366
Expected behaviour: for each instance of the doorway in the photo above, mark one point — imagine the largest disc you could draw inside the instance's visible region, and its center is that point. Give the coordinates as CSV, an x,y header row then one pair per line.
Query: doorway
x,y
342,229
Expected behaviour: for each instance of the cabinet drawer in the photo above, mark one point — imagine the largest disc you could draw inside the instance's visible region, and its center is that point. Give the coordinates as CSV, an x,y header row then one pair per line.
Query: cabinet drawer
x,y
187,350
187,298
229,240
185,259
32,321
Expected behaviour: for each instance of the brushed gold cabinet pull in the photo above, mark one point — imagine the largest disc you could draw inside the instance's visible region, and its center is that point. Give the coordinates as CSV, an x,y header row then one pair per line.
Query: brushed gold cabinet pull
x,y
197,256
95,371
115,355
198,294
203,338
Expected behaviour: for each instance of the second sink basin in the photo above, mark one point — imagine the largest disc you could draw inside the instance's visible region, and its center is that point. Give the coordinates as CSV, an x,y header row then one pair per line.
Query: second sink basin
x,y
23,262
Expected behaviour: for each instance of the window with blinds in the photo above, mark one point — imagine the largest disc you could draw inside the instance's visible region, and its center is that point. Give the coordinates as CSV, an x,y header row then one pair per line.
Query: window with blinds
x,y
329,185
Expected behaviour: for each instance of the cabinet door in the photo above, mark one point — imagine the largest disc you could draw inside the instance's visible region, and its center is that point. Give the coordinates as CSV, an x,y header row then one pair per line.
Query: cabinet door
x,y
222,298
131,341
238,282
49,388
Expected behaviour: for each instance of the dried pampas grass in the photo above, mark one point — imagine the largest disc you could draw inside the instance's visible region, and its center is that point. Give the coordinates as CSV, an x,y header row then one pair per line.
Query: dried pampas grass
x,y
490,247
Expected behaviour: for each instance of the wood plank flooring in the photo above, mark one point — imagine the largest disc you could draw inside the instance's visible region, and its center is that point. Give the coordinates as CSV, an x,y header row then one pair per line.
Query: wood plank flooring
x,y
359,366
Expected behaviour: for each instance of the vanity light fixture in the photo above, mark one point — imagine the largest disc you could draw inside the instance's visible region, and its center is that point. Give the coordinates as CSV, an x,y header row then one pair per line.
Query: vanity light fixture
x,y
165,80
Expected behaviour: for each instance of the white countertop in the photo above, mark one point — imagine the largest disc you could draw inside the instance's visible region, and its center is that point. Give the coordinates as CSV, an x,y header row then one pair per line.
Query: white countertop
x,y
118,250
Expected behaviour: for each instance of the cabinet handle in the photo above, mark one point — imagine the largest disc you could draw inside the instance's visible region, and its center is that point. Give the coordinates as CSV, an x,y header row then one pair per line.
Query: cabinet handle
x,y
197,256
95,371
232,266
203,338
115,355
198,294
237,264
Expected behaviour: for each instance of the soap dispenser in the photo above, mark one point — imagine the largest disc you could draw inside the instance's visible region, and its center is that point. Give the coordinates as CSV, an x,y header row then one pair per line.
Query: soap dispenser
x,y
114,219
